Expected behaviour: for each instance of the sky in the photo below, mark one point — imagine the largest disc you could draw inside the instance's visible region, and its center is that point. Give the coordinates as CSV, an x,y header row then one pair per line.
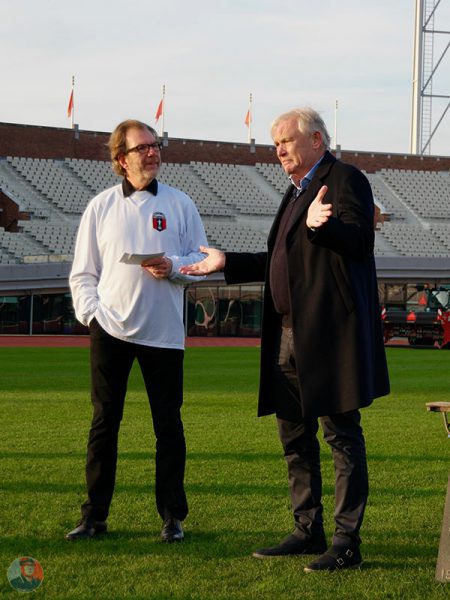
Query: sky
x,y
210,55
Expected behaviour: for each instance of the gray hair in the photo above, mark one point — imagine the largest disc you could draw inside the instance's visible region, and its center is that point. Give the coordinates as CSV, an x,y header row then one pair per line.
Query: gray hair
x,y
308,121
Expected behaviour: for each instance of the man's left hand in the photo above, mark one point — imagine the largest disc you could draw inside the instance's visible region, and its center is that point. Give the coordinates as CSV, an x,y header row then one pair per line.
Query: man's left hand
x,y
318,213
161,269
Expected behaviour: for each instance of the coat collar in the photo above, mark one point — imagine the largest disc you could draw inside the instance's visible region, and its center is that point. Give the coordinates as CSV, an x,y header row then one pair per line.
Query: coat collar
x,y
317,181
325,166
306,198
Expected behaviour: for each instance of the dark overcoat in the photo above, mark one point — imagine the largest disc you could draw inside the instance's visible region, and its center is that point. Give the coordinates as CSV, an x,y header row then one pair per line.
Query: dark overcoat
x,y
339,350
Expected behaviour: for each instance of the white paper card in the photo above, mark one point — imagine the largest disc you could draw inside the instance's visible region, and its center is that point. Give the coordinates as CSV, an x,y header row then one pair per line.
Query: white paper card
x,y
138,259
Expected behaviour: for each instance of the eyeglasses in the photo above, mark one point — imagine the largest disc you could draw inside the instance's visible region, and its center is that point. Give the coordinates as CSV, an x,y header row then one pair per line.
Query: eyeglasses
x,y
144,148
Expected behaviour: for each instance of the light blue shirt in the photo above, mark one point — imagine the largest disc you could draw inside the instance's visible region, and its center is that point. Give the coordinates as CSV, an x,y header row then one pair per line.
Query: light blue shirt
x,y
306,180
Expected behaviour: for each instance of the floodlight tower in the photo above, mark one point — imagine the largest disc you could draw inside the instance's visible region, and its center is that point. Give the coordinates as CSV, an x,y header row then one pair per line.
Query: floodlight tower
x,y
425,66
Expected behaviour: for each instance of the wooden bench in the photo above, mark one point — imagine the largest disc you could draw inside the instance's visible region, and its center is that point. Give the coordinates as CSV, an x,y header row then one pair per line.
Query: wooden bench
x,y
443,561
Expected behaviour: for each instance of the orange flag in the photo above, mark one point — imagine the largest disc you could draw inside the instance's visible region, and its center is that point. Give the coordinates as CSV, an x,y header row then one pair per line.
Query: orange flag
x,y
159,112
248,118
70,106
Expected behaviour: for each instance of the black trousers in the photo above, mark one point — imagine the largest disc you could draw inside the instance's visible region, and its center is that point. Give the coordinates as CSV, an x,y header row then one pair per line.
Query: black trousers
x,y
298,436
162,370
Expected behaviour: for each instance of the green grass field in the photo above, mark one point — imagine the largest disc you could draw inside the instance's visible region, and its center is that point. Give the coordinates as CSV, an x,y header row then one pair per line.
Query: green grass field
x,y
235,481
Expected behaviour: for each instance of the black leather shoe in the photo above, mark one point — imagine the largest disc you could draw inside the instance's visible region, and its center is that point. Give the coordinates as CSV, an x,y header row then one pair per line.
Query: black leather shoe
x,y
292,545
86,529
336,558
172,531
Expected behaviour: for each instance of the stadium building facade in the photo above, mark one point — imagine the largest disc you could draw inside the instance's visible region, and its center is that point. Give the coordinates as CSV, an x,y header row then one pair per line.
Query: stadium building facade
x,y
47,176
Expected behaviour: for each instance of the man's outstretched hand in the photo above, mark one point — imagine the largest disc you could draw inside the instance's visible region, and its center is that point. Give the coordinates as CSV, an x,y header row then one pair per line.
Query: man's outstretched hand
x,y
215,261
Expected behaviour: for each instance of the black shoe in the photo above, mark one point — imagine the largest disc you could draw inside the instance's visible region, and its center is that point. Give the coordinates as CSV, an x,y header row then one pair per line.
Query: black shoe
x,y
172,531
292,544
336,558
86,529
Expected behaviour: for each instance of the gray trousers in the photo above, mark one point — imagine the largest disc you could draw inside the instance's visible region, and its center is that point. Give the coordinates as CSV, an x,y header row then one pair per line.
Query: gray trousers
x,y
298,436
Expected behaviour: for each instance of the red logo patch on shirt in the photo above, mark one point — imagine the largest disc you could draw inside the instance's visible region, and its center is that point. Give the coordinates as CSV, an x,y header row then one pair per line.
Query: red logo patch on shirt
x,y
159,221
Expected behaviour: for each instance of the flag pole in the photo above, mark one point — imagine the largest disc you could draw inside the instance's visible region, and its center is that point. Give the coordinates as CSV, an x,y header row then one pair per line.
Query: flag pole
x,y
335,124
71,105
163,109
250,119
73,100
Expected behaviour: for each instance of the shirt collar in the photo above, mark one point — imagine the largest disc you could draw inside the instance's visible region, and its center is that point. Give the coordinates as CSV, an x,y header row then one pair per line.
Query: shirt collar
x,y
128,188
305,181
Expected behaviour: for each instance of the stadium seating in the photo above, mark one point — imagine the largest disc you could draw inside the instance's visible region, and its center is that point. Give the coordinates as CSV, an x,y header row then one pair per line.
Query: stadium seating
x,y
274,175
413,240
234,187
427,193
237,204
385,198
187,179
56,182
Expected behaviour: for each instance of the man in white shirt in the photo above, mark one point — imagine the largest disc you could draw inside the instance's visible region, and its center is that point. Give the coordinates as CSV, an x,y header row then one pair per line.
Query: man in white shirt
x,y
135,311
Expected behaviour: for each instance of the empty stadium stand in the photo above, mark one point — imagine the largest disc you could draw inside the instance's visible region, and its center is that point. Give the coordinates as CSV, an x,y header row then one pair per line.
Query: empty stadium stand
x,y
237,204
49,175
236,188
426,193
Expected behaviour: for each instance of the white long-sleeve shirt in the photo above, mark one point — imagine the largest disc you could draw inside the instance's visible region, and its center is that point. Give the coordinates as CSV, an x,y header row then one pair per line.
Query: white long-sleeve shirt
x,y
125,299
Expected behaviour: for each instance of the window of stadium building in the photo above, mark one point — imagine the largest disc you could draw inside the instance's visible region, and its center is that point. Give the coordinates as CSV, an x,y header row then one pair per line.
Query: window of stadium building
x,y
53,314
39,314
420,297
15,314
224,311
219,310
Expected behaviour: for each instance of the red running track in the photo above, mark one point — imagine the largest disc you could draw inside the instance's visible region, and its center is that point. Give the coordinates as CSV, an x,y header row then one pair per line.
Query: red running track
x,y
82,341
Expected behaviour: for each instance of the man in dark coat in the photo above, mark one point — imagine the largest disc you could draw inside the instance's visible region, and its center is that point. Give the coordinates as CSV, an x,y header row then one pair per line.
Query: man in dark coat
x,y
322,352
